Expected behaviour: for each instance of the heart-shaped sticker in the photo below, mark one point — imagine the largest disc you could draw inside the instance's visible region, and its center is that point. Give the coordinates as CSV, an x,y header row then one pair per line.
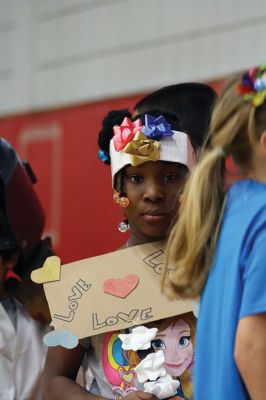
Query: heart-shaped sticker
x,y
61,337
121,287
49,272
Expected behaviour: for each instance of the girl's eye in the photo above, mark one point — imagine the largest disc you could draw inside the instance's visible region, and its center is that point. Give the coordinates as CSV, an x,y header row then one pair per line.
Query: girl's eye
x,y
158,344
171,178
184,342
135,178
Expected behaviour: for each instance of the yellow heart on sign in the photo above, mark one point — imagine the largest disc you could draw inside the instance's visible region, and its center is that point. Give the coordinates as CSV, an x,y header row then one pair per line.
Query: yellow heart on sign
x,y
49,272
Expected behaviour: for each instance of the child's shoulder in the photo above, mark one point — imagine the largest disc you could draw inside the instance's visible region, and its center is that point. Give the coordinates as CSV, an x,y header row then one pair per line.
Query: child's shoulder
x,y
248,194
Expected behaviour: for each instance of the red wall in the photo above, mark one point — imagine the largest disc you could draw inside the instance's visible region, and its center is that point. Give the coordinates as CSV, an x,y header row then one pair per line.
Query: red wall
x,y
73,185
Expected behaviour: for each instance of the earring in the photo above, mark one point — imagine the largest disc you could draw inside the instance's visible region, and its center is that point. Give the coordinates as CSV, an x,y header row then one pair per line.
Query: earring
x,y
116,197
123,202
123,226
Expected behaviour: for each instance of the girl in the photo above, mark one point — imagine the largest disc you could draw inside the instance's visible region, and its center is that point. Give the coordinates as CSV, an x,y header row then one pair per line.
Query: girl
x,y
148,176
218,247
151,216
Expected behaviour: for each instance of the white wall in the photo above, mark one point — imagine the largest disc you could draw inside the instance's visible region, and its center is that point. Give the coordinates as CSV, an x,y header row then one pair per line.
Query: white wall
x,y
58,52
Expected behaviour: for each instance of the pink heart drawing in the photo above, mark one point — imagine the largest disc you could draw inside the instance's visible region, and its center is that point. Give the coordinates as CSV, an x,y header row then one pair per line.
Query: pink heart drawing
x,y
121,287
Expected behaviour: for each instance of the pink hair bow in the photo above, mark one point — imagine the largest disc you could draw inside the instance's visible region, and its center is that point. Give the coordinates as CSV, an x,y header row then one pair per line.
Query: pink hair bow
x,y
125,132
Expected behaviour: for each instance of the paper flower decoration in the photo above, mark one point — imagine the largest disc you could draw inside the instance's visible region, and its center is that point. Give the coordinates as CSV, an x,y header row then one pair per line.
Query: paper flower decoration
x,y
142,149
139,339
151,367
125,132
163,388
156,128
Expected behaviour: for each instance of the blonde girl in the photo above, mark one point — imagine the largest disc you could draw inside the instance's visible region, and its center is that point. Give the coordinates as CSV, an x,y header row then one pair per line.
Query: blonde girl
x,y
218,247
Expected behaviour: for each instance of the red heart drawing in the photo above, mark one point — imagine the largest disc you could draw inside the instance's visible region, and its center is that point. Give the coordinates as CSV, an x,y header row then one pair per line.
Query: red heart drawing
x,y
121,287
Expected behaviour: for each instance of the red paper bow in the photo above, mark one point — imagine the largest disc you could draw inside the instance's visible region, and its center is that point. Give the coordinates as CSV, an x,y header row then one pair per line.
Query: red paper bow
x,y
125,132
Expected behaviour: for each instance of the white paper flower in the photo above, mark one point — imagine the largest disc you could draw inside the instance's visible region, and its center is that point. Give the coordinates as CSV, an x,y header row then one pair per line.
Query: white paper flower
x,y
195,308
163,388
139,339
151,367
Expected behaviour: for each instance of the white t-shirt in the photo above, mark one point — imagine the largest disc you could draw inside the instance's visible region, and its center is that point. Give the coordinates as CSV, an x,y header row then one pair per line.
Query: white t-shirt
x,y
22,353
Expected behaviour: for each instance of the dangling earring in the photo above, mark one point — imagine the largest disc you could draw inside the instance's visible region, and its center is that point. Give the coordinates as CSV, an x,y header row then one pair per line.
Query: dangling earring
x,y
123,226
124,202
116,197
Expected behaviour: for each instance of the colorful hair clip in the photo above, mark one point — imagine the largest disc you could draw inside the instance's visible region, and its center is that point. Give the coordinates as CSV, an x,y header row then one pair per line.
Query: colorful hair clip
x,y
253,85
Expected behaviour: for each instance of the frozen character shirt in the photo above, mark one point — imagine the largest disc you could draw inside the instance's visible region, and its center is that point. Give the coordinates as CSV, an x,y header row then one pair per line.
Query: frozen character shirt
x,y
113,367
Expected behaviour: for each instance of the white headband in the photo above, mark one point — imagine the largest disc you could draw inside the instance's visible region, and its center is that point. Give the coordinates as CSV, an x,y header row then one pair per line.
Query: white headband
x,y
176,148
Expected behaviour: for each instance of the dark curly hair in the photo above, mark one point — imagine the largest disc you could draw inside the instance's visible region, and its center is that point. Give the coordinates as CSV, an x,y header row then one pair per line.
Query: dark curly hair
x,y
114,117
191,102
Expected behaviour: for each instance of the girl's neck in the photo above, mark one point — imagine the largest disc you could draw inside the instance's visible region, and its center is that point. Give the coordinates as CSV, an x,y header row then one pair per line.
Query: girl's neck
x,y
259,175
258,170
133,240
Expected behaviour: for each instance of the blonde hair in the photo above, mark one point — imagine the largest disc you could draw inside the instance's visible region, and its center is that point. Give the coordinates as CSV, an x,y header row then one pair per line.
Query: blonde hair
x,y
235,125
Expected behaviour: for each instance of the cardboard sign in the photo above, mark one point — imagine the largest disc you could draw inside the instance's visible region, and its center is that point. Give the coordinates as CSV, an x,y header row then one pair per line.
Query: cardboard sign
x,y
111,292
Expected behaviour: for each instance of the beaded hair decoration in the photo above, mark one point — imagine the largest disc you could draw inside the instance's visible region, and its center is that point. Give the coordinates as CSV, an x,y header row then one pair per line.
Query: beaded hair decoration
x,y
253,85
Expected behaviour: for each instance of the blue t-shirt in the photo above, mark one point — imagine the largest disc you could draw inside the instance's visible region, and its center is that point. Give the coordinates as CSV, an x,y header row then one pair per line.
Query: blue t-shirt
x,y
236,287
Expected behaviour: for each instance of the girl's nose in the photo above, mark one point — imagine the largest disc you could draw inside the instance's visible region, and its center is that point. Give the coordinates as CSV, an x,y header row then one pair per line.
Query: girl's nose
x,y
153,192
173,358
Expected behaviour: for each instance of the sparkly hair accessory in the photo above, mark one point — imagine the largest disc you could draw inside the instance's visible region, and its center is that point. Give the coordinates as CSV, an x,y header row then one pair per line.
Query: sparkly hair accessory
x,y
173,146
253,85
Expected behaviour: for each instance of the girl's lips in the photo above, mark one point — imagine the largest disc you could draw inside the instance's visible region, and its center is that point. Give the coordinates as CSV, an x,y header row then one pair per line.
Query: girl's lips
x,y
154,217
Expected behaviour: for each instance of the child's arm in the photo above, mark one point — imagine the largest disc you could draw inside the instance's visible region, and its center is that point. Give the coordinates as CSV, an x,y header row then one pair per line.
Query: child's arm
x,y
60,374
250,354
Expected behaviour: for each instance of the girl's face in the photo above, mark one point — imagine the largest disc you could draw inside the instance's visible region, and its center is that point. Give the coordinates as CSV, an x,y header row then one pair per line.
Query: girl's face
x,y
153,189
175,341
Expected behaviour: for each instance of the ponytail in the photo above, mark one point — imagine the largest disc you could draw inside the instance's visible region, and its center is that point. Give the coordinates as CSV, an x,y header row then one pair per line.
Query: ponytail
x,y
193,238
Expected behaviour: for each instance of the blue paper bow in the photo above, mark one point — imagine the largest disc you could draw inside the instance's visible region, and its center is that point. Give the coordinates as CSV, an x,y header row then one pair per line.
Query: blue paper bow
x,y
156,128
